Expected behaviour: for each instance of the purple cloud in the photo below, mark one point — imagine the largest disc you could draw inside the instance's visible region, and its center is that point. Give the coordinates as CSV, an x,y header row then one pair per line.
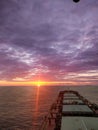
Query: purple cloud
x,y
54,38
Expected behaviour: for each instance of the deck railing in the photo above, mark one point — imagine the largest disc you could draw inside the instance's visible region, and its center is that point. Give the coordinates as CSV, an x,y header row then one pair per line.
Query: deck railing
x,y
44,124
47,118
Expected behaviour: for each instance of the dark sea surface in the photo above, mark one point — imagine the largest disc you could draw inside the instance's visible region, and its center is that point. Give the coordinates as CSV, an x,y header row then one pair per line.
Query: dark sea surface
x,y
23,108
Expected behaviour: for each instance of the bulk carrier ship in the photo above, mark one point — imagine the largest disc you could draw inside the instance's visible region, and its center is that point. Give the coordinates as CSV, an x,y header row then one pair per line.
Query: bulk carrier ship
x,y
71,111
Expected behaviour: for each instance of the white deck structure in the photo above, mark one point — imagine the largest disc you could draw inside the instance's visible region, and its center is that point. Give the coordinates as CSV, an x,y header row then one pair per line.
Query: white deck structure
x,y
79,123
76,108
72,101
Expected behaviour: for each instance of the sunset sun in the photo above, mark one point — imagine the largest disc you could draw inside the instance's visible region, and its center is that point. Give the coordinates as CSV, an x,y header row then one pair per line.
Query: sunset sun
x,y
39,84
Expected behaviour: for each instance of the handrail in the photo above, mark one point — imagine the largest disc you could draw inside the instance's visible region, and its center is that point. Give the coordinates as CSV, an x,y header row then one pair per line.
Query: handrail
x,y
46,119
43,126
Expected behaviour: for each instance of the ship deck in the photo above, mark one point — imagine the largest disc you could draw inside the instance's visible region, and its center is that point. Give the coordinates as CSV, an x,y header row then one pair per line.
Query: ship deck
x,y
71,111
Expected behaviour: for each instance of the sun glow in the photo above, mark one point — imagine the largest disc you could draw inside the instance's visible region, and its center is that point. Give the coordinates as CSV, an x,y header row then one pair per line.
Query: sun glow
x,y
39,83
42,83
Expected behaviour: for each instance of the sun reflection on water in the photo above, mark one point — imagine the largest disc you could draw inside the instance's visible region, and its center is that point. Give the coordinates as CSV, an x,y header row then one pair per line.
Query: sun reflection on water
x,y
37,97
36,110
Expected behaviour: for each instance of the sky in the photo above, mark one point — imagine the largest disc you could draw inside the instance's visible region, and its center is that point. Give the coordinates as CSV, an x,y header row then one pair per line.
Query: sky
x,y
49,40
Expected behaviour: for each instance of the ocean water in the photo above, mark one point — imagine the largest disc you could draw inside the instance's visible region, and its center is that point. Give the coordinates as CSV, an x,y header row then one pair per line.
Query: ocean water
x,y
23,108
